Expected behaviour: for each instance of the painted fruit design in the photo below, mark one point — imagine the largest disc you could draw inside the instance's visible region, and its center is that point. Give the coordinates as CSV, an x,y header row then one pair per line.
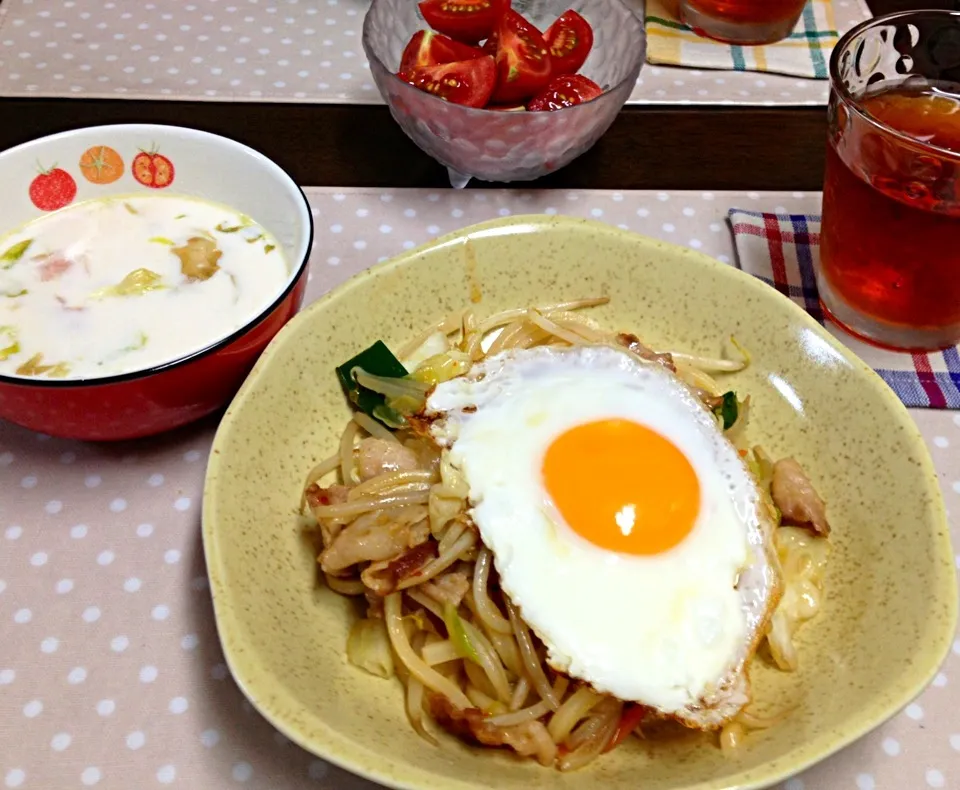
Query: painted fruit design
x,y
52,189
152,169
101,165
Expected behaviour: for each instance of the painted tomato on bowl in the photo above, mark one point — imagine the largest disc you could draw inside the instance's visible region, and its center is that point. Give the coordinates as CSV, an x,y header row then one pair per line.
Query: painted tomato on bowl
x,y
52,189
152,169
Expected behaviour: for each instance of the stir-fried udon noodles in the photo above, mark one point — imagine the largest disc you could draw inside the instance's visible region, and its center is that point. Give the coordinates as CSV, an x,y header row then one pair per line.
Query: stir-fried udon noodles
x,y
391,516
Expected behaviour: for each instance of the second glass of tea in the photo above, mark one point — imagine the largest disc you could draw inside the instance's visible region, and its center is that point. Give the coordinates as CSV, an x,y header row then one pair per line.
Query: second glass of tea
x,y
890,238
742,22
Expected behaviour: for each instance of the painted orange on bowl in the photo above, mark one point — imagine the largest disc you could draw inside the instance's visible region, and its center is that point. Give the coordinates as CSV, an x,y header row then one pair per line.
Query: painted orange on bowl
x,y
101,164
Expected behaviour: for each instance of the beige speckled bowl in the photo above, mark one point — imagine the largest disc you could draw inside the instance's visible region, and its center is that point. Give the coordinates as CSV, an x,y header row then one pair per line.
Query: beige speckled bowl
x,y
892,598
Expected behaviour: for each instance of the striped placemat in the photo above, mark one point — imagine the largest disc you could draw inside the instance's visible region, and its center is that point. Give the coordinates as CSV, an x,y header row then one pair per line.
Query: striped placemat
x,y
782,250
805,53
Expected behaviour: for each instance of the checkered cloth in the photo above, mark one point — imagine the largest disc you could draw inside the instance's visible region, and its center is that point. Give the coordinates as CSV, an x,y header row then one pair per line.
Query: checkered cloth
x,y
782,249
805,53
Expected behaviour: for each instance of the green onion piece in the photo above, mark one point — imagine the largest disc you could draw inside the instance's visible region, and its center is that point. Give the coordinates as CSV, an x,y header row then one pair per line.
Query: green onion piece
x,y
728,410
406,404
35,367
379,361
223,227
13,254
180,216
141,342
389,417
14,295
130,208
13,346
391,386
458,634
269,248
162,240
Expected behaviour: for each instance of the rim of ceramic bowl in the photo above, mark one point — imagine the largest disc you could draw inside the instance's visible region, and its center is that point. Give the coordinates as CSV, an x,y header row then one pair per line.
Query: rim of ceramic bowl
x,y
630,77
852,103
217,345
413,778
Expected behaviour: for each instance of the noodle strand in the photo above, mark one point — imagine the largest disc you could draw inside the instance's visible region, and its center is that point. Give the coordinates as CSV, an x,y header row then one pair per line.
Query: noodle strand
x,y
418,669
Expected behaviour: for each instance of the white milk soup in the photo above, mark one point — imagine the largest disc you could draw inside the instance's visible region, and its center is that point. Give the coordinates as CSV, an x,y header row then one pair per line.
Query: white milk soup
x,y
117,285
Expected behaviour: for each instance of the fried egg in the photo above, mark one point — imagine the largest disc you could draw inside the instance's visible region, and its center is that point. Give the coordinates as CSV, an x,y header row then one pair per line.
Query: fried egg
x,y
623,524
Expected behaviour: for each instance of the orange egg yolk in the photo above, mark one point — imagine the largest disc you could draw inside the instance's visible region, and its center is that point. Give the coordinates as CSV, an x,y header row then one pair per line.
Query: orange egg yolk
x,y
622,486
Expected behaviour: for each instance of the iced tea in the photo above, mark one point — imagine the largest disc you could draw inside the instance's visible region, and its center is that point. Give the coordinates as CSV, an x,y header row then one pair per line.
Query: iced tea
x,y
743,21
890,238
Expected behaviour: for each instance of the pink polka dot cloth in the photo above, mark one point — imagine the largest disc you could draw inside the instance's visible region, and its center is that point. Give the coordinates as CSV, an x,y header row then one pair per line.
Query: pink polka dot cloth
x,y
305,51
111,674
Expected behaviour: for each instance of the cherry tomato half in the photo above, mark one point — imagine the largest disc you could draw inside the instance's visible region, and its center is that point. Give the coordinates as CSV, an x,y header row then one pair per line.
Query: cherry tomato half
x,y
523,62
468,21
428,48
565,91
467,82
569,40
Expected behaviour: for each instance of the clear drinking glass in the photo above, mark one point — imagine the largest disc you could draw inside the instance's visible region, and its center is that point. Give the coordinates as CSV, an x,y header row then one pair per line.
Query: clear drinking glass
x,y
742,21
890,238
491,145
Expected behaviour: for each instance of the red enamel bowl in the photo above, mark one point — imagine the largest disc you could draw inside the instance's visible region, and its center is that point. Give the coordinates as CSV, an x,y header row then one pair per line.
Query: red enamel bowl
x,y
183,162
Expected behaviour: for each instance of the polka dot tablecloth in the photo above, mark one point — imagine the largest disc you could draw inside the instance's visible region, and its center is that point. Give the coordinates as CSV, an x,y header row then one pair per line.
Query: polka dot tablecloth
x,y
274,50
111,675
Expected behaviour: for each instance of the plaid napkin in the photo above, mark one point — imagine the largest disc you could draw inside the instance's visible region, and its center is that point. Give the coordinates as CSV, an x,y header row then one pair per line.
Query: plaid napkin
x,y
781,250
805,53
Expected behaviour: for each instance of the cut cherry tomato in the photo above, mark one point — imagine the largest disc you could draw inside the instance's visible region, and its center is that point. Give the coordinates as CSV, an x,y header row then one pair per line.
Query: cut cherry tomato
x,y
468,21
523,62
565,91
569,40
427,48
632,716
468,82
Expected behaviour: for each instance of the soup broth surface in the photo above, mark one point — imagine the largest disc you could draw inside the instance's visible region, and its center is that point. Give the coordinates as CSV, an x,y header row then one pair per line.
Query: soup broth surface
x,y
117,285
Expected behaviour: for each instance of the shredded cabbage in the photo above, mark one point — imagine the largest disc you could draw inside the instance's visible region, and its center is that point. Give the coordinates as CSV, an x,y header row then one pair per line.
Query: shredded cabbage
x,y
434,344
137,283
368,647
803,559
442,367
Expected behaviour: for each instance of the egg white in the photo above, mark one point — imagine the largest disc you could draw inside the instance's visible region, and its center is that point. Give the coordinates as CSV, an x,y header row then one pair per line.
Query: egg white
x,y
663,630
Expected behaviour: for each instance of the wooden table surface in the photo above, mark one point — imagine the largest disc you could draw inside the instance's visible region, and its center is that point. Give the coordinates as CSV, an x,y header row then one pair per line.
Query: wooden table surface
x,y
648,147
